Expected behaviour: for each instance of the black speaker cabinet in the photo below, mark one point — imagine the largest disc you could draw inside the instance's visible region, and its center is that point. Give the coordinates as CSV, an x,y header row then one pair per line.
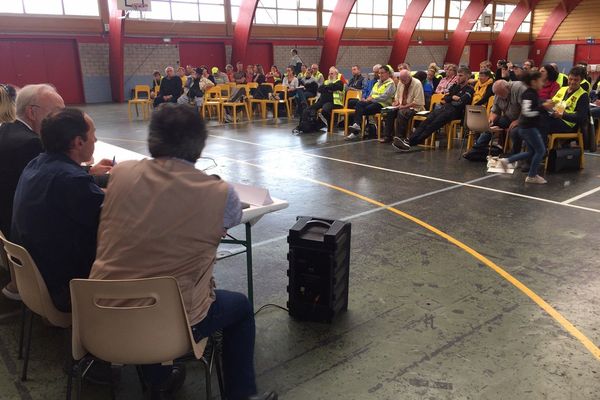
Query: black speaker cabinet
x,y
319,268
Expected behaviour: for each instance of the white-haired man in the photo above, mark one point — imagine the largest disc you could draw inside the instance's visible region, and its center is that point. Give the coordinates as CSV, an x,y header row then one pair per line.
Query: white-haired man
x,y
171,87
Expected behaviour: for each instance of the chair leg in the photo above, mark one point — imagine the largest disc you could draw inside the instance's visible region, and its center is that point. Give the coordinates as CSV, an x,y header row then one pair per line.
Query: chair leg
x,y
379,127
22,334
580,141
332,119
27,345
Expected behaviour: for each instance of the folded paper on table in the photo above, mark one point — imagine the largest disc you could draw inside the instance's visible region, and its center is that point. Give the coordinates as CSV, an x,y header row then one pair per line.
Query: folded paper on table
x,y
253,195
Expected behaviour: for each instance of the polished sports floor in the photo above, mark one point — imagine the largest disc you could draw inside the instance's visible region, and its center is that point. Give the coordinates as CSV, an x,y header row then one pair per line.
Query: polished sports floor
x,y
463,284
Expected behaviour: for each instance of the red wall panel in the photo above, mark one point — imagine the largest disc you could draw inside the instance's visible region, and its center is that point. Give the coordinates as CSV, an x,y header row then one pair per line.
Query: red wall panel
x,y
261,53
589,53
196,54
56,62
477,54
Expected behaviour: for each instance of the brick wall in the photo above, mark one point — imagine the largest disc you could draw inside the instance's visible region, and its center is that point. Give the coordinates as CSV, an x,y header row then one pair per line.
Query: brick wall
x,y
142,59
364,56
93,58
518,54
308,54
419,57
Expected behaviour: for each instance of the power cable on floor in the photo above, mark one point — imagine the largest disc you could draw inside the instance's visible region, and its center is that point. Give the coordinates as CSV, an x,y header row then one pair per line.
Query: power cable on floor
x,y
271,305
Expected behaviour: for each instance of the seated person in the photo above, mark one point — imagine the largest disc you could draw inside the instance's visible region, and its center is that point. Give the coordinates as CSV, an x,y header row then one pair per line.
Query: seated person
x,y
291,83
221,78
444,85
57,204
171,88
483,88
429,85
505,111
356,82
551,86
382,95
332,96
409,100
310,84
200,83
453,108
156,79
504,71
569,108
182,239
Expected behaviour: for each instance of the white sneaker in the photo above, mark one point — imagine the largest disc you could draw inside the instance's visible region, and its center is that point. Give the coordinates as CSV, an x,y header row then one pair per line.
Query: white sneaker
x,y
504,164
535,179
352,136
322,118
354,127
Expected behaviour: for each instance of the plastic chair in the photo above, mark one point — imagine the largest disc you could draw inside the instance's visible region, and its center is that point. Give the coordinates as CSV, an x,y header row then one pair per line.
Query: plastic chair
x,y
476,121
350,94
131,322
280,90
35,296
235,105
212,101
378,119
140,99
555,138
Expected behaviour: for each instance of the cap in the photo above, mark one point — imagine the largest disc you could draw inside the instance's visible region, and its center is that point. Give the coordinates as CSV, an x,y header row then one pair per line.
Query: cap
x,y
215,70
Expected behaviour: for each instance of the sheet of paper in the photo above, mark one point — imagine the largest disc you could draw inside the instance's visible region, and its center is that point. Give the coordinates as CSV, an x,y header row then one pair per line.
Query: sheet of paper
x,y
253,195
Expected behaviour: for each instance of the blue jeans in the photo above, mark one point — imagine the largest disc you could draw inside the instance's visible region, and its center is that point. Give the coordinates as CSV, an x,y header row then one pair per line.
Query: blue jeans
x,y
232,313
535,149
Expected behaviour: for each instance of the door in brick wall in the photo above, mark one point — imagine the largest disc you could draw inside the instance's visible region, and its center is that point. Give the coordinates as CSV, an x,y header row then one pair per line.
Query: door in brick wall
x,y
56,62
590,53
261,53
196,54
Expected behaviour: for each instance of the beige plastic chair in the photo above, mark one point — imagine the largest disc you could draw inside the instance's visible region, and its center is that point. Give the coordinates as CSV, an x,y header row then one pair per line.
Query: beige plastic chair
x,y
476,121
107,325
36,298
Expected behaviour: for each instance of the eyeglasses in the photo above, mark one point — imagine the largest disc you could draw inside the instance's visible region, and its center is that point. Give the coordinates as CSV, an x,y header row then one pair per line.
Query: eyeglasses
x,y
206,163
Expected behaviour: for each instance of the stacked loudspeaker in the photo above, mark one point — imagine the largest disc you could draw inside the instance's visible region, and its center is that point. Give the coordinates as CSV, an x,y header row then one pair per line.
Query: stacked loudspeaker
x,y
319,268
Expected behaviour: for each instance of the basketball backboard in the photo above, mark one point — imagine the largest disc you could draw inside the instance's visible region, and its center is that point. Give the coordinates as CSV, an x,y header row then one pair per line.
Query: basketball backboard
x,y
134,5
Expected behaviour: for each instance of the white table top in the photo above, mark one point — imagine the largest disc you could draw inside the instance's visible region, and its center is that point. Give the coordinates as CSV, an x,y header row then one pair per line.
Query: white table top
x,y
252,214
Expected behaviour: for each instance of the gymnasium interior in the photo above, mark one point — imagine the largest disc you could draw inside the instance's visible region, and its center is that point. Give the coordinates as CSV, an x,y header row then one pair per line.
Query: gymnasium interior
x,y
463,281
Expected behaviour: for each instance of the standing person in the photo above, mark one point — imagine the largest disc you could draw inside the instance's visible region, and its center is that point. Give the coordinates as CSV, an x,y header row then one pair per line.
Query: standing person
x,y
296,62
171,88
409,100
531,109
453,108
382,95
550,86
140,199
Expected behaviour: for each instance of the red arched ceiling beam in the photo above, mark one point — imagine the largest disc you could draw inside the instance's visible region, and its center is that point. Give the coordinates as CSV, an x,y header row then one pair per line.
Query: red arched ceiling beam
x,y
461,34
241,33
333,34
540,46
504,39
406,30
116,51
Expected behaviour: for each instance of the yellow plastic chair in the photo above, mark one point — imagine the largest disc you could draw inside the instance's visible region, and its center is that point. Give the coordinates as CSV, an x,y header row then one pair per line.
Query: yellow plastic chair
x,y
346,112
212,101
141,96
555,138
281,91
235,105
35,296
378,119
131,322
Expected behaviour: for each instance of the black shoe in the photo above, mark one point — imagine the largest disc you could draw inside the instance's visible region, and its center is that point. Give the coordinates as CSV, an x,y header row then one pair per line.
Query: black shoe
x,y
525,168
265,396
400,144
171,385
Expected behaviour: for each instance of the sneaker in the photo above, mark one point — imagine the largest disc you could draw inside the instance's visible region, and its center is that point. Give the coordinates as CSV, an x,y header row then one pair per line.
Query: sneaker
x,y
297,132
228,118
352,136
324,129
322,118
271,97
504,164
535,179
9,294
400,144
354,127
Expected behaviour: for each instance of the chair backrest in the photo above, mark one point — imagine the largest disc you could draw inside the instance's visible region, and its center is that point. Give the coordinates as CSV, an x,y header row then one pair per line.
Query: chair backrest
x,y
3,256
436,98
139,90
134,321
32,287
281,89
476,118
214,93
225,89
490,104
252,85
352,94
267,83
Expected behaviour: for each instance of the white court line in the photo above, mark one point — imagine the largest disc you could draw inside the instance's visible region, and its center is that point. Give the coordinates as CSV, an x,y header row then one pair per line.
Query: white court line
x,y
418,176
581,196
368,212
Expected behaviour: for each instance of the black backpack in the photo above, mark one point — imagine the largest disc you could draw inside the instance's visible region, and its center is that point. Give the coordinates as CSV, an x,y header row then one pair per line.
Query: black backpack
x,y
309,122
480,153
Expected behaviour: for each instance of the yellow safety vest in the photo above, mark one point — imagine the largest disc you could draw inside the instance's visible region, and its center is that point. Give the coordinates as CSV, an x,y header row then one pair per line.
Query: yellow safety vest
x,y
561,79
438,76
300,76
379,89
318,76
338,95
589,85
571,101
476,75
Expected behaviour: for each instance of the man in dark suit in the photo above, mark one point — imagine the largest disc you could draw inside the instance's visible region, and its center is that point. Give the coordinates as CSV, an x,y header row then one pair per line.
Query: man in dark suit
x,y
171,87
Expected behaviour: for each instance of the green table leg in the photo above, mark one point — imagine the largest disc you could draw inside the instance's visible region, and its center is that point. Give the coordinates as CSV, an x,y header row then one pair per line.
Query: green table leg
x,y
249,263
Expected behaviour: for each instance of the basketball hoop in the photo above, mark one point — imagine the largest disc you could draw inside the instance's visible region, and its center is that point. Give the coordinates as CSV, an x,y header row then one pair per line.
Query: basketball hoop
x,y
134,5
139,6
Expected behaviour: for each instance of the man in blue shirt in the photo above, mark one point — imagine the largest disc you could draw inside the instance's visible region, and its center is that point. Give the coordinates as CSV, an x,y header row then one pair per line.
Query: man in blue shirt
x,y
57,204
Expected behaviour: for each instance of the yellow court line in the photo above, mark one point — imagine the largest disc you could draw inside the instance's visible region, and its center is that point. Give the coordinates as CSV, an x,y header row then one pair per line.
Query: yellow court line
x,y
558,317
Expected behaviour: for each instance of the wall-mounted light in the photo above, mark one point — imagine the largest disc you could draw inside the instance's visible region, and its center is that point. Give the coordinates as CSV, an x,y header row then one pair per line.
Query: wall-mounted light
x,y
167,40
419,40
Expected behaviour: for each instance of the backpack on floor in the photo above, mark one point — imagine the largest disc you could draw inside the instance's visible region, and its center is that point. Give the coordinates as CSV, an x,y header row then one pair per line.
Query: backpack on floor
x,y
480,153
309,122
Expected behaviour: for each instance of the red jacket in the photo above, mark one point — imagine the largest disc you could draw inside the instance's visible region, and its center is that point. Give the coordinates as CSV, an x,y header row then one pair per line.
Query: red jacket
x,y
549,90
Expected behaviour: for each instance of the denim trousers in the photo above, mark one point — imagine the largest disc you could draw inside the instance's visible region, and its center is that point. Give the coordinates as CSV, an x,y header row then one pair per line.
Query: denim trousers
x,y
535,149
232,313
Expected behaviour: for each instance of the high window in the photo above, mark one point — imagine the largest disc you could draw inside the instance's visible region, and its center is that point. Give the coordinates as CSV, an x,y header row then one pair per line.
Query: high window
x,y
184,10
369,14
398,11
281,12
434,16
51,7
